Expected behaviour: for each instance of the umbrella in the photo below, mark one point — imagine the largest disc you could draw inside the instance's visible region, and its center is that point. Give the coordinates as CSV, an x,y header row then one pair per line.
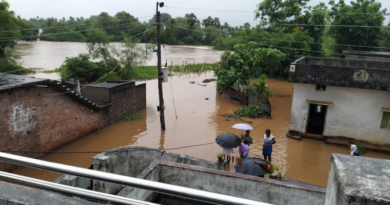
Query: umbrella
x,y
228,140
243,127
249,167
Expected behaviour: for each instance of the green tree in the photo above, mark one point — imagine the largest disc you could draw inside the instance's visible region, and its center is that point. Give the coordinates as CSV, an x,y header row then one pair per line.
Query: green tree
x,y
343,14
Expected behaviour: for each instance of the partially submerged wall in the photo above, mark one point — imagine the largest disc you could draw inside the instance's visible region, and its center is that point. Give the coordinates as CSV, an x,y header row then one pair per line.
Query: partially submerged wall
x,y
231,184
356,113
39,119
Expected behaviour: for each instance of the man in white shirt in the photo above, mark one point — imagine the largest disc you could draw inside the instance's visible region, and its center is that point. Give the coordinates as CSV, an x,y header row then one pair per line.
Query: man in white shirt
x,y
227,152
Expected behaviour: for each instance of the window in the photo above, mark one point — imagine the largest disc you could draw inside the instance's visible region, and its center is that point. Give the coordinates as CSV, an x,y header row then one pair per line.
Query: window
x,y
385,124
320,87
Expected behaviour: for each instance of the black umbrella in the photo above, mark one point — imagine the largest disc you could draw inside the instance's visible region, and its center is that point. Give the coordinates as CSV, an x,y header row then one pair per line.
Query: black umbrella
x,y
228,140
249,167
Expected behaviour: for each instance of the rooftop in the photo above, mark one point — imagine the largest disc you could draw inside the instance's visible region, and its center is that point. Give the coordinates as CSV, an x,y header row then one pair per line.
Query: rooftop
x,y
11,81
368,53
356,73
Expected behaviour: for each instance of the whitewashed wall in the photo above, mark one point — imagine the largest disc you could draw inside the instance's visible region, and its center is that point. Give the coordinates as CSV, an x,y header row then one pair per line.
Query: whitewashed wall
x,y
356,113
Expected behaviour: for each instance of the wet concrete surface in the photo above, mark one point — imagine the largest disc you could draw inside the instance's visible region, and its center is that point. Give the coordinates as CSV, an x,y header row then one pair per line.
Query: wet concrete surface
x,y
197,123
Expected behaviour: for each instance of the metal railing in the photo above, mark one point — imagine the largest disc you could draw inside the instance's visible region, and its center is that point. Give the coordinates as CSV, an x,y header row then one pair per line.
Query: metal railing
x,y
129,181
69,189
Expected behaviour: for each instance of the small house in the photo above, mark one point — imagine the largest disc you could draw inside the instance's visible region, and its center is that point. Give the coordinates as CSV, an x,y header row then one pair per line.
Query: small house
x,y
345,98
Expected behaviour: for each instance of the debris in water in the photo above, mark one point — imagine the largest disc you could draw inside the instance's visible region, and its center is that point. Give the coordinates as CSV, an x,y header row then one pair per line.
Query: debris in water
x,y
192,82
202,85
209,80
207,98
230,116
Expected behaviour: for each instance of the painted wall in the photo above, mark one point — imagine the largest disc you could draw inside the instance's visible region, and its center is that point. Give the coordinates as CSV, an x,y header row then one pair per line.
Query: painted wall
x,y
356,113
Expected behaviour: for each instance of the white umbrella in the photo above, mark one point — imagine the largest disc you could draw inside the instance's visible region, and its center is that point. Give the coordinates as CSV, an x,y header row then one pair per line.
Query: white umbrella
x,y
243,127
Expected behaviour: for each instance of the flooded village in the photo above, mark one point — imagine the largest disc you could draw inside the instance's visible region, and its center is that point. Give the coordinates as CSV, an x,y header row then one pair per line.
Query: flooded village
x,y
175,110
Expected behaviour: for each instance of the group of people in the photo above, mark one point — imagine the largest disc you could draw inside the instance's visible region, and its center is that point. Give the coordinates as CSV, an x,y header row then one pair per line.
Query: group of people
x,y
247,140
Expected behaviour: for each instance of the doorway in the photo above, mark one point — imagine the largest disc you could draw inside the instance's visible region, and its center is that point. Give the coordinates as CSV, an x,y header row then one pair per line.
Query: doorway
x,y
316,119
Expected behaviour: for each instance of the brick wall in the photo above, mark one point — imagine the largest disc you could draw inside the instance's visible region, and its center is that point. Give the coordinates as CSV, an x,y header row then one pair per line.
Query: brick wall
x,y
32,121
125,99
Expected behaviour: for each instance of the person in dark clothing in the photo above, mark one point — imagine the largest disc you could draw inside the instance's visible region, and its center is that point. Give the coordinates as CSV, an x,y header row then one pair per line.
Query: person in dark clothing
x,y
354,151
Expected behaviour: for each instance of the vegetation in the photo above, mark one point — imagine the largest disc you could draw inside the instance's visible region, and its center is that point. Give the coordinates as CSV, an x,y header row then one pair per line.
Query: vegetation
x,y
193,67
132,117
219,155
17,29
251,111
237,68
260,89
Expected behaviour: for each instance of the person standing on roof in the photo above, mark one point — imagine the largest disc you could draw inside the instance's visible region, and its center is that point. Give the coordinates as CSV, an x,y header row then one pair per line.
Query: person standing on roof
x,y
269,140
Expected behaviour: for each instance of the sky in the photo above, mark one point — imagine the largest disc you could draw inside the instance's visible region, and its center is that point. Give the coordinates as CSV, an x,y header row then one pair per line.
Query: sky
x,y
144,9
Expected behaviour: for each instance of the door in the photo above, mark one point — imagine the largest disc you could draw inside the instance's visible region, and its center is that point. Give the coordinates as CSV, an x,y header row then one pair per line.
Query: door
x,y
316,119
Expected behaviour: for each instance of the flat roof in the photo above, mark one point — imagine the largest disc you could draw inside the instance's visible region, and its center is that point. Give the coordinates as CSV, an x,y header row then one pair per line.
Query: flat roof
x,y
367,53
11,81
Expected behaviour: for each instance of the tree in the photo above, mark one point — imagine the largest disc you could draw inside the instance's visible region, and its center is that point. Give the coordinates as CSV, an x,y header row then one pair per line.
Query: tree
x,y
370,14
15,30
211,33
192,20
280,12
209,21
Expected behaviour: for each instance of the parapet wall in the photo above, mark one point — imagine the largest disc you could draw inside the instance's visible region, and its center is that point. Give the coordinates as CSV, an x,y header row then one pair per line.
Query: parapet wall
x,y
222,182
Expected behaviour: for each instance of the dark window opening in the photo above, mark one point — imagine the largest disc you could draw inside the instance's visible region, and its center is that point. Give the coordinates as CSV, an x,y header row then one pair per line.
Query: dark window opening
x,y
316,119
320,87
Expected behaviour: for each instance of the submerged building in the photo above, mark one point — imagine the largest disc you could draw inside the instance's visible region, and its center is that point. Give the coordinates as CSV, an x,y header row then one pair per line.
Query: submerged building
x,y
342,98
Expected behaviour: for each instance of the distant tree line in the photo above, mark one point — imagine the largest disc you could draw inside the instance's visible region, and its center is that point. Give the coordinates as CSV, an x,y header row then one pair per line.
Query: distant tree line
x,y
290,26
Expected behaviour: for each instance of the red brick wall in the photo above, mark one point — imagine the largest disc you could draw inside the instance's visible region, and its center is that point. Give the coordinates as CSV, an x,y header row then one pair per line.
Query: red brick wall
x,y
31,120
125,99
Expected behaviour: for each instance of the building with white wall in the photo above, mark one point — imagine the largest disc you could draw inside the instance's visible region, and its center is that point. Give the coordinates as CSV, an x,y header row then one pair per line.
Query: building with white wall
x,y
346,98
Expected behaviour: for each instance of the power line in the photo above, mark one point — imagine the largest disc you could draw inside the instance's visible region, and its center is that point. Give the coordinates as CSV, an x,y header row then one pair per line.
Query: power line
x,y
261,44
50,34
54,94
272,39
86,23
241,11
95,152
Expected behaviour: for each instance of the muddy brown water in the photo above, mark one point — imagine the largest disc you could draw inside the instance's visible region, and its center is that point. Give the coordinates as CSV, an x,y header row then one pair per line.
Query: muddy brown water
x,y
198,122
197,119
47,55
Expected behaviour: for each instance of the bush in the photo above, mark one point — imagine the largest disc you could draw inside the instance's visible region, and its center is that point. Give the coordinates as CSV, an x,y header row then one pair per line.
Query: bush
x,y
133,116
251,111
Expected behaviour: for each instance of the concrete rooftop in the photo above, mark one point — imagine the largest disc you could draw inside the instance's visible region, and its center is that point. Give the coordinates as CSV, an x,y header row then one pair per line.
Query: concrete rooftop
x,y
11,81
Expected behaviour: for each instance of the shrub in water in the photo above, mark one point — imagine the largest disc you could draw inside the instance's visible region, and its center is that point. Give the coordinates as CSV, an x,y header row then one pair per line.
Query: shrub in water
x,y
251,111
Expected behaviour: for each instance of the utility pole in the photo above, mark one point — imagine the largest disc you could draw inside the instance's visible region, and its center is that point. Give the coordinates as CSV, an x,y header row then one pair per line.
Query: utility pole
x,y
160,74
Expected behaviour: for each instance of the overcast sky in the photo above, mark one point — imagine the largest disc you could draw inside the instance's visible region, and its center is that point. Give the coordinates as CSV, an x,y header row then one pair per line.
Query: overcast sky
x,y
141,8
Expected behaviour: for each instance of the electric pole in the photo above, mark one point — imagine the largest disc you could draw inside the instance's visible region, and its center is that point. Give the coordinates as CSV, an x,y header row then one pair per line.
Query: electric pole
x,y
160,74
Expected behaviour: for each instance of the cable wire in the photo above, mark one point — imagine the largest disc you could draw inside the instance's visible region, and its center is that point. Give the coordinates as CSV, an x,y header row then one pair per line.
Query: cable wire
x,y
50,34
95,152
331,13
375,47
54,94
86,23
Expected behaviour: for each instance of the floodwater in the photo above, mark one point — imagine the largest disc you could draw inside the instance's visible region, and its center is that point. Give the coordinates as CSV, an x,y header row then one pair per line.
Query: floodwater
x,y
190,120
197,123
48,55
